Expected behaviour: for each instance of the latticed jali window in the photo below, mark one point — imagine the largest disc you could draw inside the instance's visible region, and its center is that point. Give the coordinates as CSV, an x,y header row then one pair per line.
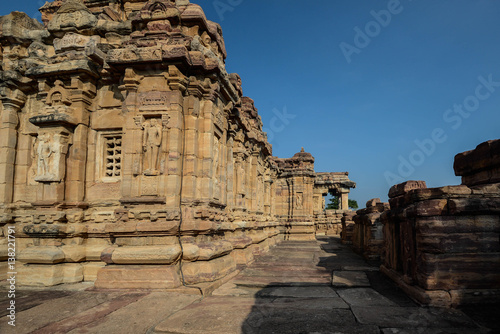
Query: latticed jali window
x,y
111,145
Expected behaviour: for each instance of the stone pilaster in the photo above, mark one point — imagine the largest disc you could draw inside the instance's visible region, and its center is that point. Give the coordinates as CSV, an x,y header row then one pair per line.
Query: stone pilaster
x,y
12,102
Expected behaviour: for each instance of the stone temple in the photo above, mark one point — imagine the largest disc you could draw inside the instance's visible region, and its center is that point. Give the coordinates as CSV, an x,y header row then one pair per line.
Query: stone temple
x,y
130,157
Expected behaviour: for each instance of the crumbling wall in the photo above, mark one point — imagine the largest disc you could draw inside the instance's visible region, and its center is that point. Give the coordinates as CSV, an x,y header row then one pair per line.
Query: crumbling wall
x,y
347,228
329,222
442,244
368,237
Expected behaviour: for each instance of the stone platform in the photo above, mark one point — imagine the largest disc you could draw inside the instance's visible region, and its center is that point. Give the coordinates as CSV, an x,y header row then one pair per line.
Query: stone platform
x,y
288,290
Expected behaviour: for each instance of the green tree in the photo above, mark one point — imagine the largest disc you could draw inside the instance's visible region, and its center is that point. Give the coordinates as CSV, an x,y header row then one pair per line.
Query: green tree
x,y
334,203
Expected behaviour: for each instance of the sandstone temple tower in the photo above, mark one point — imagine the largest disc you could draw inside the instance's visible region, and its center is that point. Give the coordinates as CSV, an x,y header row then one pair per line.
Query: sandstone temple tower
x,y
130,157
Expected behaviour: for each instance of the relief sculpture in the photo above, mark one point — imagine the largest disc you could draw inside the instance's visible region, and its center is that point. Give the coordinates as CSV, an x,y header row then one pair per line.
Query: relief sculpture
x,y
151,143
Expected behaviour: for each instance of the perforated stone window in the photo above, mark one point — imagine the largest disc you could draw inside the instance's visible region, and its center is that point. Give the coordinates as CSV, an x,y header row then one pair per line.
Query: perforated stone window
x,y
110,144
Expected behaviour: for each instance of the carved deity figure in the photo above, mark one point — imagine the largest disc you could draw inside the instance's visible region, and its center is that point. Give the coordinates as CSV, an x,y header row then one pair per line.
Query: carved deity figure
x,y
298,201
216,167
48,153
241,178
151,143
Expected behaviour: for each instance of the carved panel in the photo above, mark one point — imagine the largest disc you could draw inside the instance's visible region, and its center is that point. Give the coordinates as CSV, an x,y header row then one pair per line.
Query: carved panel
x,y
134,54
50,156
153,101
72,41
151,143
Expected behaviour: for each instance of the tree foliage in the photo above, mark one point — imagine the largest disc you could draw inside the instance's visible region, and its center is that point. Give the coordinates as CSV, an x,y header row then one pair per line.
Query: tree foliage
x,y
335,204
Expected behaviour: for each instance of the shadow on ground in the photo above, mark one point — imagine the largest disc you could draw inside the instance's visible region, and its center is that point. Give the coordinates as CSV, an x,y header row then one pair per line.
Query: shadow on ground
x,y
316,287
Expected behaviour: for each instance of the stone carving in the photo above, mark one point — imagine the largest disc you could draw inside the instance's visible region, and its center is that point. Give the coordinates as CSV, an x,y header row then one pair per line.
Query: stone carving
x,y
151,143
134,54
299,200
159,10
118,80
57,98
72,14
203,44
153,101
216,167
48,156
72,41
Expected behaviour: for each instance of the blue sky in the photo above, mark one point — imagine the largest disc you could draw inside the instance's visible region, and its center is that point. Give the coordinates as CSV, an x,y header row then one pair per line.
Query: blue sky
x,y
420,87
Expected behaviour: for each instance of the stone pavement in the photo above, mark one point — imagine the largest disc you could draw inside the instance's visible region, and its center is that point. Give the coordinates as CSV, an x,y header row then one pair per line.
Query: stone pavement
x,y
289,290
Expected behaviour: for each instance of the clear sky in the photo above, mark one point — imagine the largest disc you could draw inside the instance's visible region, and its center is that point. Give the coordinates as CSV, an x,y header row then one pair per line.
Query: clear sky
x,y
387,90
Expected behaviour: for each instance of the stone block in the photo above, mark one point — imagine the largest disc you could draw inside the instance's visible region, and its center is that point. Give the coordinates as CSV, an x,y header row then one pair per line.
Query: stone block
x,y
213,250
429,226
74,253
90,270
373,202
208,271
458,271
146,254
479,166
93,252
138,277
474,205
402,188
4,252
42,255
4,268
40,274
165,226
348,279
435,207
72,272
477,242
242,256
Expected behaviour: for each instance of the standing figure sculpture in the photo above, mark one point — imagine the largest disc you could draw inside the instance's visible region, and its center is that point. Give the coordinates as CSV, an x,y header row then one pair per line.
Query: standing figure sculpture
x,y
151,143
45,152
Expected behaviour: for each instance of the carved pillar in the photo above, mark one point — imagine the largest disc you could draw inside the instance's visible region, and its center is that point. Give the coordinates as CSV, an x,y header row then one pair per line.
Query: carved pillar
x,y
230,187
12,102
83,93
344,199
268,195
192,147
254,180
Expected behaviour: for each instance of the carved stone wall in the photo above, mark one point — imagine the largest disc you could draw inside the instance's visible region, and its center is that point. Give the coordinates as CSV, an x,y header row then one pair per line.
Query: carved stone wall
x,y
442,244
129,156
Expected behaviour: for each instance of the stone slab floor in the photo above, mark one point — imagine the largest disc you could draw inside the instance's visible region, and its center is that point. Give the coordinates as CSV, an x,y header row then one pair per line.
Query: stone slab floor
x,y
317,287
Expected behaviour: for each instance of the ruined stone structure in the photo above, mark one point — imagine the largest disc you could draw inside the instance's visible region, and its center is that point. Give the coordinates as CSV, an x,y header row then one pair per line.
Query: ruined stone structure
x,y
129,156
347,227
442,244
368,238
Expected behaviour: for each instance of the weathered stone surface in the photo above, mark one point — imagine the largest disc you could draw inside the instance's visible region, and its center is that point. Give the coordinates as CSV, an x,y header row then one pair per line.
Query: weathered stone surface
x,y
367,235
146,254
442,242
479,166
411,317
401,189
364,297
138,277
47,255
122,136
349,279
